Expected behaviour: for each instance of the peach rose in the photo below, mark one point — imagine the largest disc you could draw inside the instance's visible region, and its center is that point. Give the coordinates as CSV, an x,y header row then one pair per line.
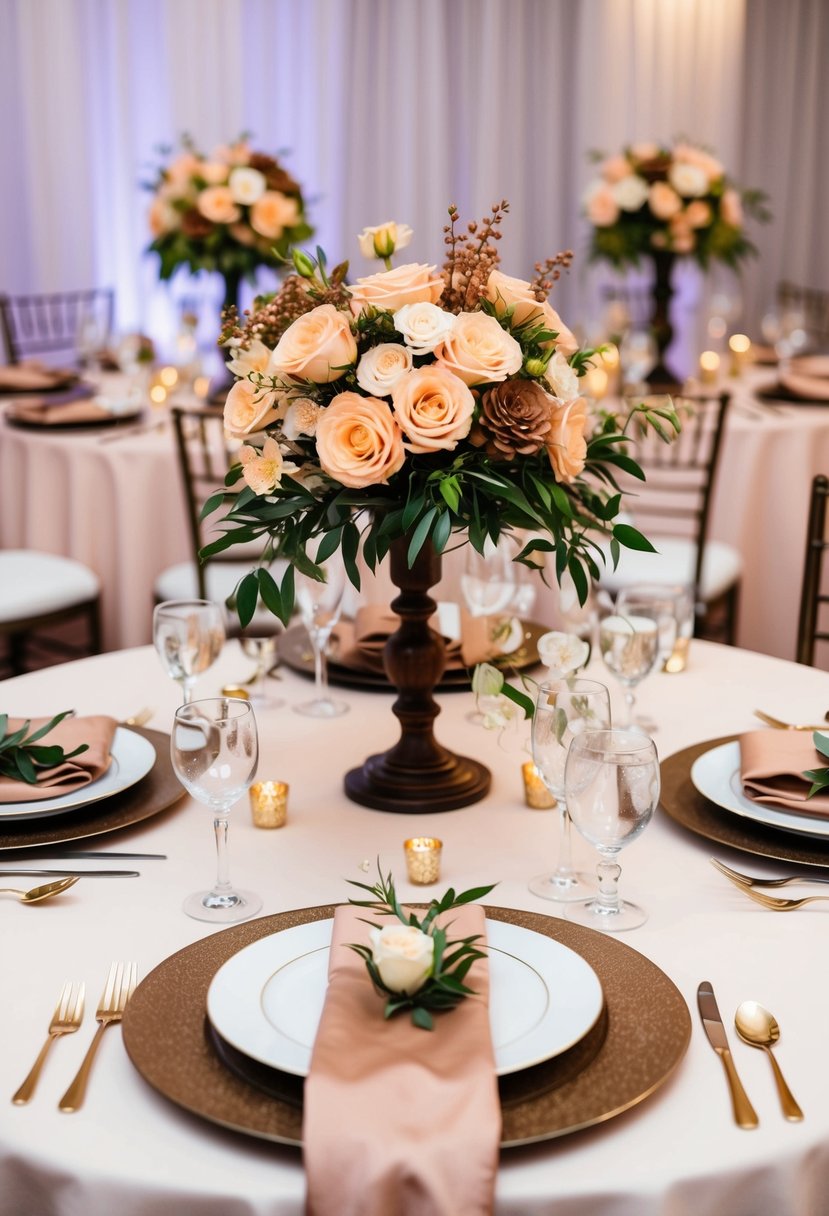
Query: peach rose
x,y
381,367
566,342
566,442
242,234
391,289
663,200
180,170
479,351
644,151
433,407
601,207
318,346
731,208
216,204
248,409
358,442
213,172
233,154
272,213
504,292
615,168
162,217
262,470
697,214
689,154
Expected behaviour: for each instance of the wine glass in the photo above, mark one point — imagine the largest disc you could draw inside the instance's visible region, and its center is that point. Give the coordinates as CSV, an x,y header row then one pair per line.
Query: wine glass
x,y
262,646
637,355
785,329
215,750
612,786
488,582
564,709
188,635
673,604
629,644
320,605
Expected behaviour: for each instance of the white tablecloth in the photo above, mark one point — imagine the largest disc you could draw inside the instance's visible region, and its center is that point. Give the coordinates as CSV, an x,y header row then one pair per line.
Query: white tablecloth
x,y
677,1154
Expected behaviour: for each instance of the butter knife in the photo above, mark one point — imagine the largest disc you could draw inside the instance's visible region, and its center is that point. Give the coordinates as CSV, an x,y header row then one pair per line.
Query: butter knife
x,y
712,1024
78,873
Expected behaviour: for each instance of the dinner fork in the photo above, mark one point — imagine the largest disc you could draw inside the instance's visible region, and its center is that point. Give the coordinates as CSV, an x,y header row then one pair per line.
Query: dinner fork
x,y
746,881
66,1019
774,902
118,989
779,724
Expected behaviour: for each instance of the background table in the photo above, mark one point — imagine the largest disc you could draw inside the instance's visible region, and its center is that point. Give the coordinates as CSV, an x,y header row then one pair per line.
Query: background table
x,y
677,1154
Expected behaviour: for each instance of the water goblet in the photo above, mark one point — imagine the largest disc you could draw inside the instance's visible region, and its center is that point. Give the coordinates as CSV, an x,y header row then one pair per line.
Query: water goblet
x,y
673,604
320,605
564,709
629,644
215,750
612,788
638,355
488,582
188,636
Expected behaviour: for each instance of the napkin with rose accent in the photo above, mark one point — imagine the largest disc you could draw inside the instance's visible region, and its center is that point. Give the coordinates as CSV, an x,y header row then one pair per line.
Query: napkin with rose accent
x,y
360,642
772,764
397,1119
33,376
96,731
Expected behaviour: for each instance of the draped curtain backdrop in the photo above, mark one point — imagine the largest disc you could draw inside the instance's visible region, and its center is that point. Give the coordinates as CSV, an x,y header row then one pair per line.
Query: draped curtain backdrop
x,y
394,108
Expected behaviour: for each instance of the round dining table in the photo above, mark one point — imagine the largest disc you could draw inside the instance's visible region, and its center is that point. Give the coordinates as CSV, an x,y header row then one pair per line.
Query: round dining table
x,y
677,1152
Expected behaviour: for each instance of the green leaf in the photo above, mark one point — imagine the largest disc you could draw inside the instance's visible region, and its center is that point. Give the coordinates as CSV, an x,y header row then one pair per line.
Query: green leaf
x,y
520,699
821,742
422,1018
329,544
442,531
246,598
269,592
449,492
420,534
632,538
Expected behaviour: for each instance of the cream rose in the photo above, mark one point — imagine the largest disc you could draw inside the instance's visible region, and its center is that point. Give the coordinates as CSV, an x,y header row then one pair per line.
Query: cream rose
x,y
663,200
433,408
614,168
423,326
562,378
391,289
731,208
301,418
358,441
631,192
163,218
318,346
601,207
246,185
262,470
216,204
249,409
479,351
272,213
403,955
562,653
382,240
566,442
688,180
382,366
254,359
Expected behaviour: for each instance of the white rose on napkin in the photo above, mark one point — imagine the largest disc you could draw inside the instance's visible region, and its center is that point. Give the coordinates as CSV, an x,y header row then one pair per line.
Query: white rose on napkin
x,y
403,955
562,653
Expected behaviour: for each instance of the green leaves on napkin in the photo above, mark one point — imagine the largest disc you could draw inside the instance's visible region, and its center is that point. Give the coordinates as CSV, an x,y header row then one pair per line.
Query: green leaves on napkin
x,y
21,760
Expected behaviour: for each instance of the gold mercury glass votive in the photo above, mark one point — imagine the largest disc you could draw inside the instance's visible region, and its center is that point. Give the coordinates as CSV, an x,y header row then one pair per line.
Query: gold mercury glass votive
x,y
269,804
536,793
423,859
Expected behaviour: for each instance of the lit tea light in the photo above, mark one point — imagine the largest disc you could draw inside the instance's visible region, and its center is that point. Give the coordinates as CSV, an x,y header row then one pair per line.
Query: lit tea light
x,y
269,804
709,367
158,394
536,793
168,376
423,859
610,357
594,383
740,347
201,387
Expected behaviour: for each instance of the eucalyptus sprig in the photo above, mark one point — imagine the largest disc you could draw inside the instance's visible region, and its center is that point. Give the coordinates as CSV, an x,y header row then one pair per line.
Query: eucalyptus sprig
x,y
21,760
819,776
445,962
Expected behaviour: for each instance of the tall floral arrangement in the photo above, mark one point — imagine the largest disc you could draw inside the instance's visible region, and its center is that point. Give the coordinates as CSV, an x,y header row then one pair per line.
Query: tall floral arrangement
x,y
650,198
231,212
423,403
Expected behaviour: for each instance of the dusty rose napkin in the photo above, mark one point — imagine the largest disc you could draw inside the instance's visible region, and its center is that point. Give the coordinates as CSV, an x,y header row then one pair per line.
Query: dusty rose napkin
x,y
484,638
33,376
810,388
399,1121
771,764
360,642
73,406
811,365
97,731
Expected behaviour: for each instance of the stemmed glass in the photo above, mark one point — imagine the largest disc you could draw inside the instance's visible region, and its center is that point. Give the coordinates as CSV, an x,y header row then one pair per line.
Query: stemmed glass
x,y
673,605
488,582
188,636
263,647
215,750
612,788
637,355
786,330
629,643
564,709
320,605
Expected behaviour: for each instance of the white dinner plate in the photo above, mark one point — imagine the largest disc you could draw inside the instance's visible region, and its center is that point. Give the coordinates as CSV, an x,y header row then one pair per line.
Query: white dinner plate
x,y
132,758
716,775
266,1001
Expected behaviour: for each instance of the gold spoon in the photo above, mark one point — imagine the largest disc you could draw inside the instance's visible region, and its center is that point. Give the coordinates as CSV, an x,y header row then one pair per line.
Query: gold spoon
x,y
36,894
757,1027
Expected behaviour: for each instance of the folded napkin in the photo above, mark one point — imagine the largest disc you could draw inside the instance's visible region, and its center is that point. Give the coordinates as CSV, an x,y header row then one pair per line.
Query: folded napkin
x,y
399,1121
360,642
34,377
771,766
484,638
73,407
97,731
811,365
810,388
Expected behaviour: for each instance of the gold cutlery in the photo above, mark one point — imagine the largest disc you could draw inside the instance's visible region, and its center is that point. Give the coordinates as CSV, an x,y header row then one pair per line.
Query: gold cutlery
x,y
36,895
775,903
68,873
746,881
118,989
66,1019
759,1028
778,724
744,1113
138,719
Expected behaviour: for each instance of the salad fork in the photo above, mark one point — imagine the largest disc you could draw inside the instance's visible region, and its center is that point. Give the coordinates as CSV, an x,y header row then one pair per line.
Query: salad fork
x,y
117,991
746,881
779,724
774,902
66,1019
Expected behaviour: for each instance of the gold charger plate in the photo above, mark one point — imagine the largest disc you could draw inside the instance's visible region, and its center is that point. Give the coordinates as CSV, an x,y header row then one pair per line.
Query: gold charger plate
x,y
633,1051
295,652
682,801
152,794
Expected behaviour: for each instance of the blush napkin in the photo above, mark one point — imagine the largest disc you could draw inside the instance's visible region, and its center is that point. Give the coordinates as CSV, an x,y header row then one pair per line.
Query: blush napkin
x,y
771,766
400,1121
361,641
35,377
98,731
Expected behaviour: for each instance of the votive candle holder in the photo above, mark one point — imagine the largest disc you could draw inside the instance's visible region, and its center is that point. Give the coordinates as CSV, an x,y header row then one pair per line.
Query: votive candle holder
x,y
536,794
269,804
423,859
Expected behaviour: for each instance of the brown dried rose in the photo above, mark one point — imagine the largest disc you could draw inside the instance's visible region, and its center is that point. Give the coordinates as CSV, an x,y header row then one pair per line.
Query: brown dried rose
x,y
515,419
194,225
276,177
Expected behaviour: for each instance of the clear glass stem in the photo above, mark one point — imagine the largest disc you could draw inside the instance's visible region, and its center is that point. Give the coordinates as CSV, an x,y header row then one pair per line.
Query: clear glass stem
x,y
187,689
630,701
318,641
608,871
564,868
222,887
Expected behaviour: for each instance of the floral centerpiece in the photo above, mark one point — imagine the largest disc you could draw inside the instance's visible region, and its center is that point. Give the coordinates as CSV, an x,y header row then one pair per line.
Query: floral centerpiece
x,y
414,408
231,212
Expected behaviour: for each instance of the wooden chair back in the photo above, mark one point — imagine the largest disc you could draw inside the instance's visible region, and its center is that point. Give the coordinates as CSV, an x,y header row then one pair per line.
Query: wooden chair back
x,y
811,596
813,304
204,457
52,324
